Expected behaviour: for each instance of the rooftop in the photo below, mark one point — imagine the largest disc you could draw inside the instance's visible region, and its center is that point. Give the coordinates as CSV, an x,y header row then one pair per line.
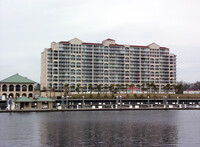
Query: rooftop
x,y
17,79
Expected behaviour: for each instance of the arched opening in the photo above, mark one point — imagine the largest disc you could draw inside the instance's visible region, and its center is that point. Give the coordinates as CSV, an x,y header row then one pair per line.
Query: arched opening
x,y
78,72
105,80
72,64
78,79
78,64
72,79
78,57
105,72
11,88
17,88
24,94
17,95
127,73
24,88
30,88
4,94
10,95
106,65
4,88
55,85
30,95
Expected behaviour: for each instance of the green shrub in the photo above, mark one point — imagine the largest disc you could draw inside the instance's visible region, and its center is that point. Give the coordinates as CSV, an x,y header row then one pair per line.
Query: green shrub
x,y
90,96
105,96
98,95
142,96
154,96
135,95
127,95
113,96
169,96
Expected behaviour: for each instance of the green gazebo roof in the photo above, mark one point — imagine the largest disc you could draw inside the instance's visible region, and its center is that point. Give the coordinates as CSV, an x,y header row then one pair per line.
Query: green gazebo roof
x,y
24,99
45,99
17,79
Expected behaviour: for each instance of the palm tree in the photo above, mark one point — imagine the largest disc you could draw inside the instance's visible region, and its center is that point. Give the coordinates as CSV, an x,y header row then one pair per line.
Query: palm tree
x,y
66,88
143,87
99,88
78,88
138,86
111,88
53,89
105,88
167,87
118,87
127,85
72,88
132,85
90,88
148,87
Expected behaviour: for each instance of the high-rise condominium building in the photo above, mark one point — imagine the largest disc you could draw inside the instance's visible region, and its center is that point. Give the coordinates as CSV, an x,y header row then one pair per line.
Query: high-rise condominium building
x,y
79,63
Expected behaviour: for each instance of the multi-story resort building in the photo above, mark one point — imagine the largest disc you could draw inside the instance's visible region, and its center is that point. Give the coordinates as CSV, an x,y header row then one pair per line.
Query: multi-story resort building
x,y
79,63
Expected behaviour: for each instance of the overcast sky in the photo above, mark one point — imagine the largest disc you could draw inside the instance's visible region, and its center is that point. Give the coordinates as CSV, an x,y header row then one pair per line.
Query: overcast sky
x,y
29,26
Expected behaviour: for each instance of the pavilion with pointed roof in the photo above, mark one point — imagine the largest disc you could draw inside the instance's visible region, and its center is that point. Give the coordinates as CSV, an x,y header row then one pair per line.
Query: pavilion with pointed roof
x,y
16,86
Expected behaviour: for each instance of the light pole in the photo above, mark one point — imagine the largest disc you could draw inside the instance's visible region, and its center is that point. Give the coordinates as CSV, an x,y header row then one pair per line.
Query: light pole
x,y
83,102
120,101
67,102
177,100
116,101
148,100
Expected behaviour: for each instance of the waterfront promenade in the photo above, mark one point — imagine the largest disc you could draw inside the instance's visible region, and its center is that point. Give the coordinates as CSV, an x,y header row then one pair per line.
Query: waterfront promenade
x,y
118,105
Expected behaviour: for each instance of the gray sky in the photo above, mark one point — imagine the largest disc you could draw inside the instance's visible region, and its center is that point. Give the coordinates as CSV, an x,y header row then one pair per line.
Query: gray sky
x,y
29,26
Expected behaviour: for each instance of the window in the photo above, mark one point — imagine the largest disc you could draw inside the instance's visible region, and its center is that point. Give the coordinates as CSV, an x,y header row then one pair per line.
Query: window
x,y
78,64
72,64
78,79
106,65
72,79
24,88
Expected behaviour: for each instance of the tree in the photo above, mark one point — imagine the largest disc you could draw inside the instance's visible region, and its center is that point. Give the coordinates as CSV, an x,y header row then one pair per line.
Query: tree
x,y
99,88
111,88
78,88
90,88
72,88
143,88
167,88
53,89
105,88
138,86
66,89
127,85
148,87
132,85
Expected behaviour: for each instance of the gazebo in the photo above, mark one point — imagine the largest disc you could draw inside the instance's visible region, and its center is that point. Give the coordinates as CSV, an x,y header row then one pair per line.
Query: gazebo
x,y
44,103
23,103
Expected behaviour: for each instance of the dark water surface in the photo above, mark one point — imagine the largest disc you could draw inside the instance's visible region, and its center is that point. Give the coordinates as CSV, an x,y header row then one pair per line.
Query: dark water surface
x,y
101,128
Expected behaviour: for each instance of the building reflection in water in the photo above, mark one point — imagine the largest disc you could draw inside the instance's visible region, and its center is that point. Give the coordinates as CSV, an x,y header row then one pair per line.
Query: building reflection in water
x,y
125,128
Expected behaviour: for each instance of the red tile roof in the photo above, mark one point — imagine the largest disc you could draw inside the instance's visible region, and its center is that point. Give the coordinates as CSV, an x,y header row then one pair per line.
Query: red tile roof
x,y
133,88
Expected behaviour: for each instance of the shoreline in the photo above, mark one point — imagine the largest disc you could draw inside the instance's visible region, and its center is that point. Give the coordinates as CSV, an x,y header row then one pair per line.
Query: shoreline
x,y
103,109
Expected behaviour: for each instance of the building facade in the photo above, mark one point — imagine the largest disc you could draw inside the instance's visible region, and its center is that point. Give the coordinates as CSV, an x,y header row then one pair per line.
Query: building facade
x,y
16,86
78,63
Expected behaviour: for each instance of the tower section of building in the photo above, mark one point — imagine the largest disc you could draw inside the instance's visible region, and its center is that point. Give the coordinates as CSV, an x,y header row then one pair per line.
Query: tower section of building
x,y
78,63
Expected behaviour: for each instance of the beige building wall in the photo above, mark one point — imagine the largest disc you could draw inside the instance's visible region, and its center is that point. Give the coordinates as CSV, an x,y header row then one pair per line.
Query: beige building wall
x,y
15,94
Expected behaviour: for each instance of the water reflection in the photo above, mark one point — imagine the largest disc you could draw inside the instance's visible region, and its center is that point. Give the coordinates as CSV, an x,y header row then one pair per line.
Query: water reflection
x,y
126,128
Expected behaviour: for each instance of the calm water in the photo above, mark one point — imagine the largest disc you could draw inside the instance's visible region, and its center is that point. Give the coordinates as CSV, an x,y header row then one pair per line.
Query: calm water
x,y
114,128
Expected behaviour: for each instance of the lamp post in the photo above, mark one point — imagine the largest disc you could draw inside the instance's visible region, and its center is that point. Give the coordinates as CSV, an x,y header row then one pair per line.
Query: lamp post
x,y
148,100
116,101
83,102
120,101
177,100
67,102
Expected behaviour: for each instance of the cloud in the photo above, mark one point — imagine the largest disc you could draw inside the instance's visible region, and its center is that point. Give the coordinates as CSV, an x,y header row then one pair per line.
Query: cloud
x,y
27,27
